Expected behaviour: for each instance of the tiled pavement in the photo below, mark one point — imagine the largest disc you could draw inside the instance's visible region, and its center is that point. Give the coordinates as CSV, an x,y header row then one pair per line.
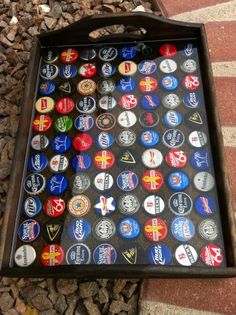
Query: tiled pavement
x,y
204,296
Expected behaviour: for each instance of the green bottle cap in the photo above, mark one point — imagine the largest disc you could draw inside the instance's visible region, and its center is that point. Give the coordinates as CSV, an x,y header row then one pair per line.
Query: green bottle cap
x,y
63,124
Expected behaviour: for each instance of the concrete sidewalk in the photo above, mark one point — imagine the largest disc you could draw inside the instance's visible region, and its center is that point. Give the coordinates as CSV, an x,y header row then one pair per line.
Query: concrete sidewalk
x,y
204,297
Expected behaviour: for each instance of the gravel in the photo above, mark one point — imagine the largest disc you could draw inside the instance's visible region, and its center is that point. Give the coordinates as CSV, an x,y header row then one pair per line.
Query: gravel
x,y
20,21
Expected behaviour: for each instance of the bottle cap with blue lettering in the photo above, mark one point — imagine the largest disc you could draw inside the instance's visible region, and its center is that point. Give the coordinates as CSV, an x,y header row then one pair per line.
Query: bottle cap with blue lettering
x,y
107,70
67,71
32,206
79,230
169,83
205,205
128,52
78,254
149,138
61,143
172,118
57,184
201,160
183,229
81,162
159,254
127,181
126,84
128,228
104,254
147,67
28,230
104,140
34,184
47,87
150,101
37,162
84,122
178,180
105,205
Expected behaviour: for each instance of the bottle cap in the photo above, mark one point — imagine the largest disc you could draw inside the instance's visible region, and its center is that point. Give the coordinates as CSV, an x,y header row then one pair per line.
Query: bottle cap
x,y
127,119
34,184
54,207
189,66
126,84
169,83
147,67
82,142
152,158
87,70
148,119
126,138
159,254
171,101
176,158
52,255
127,181
42,123
32,207
194,120
186,255
44,105
168,50
200,160
58,163
173,138
128,228
29,231
208,230
105,205
128,101
24,256
84,122
212,255
68,71
128,52
69,55
57,184
65,105
107,53
104,140
66,88
205,205
105,121
197,139
131,253
107,102
148,84
155,230
183,229
61,143
49,72
86,87
86,105
104,159
81,162
107,70
104,254
152,180
204,181
106,86
88,54
103,181
50,55
154,204
180,203
79,230
192,100
47,87
37,162
104,229
52,231
191,82
128,204
78,254
178,180
63,124
150,101
172,118
39,142
127,68
79,183
127,159
149,138
78,206
168,66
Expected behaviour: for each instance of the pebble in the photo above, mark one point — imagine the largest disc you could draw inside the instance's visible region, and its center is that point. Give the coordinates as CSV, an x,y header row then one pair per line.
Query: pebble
x,y
118,306
6,301
91,307
41,302
66,286
88,289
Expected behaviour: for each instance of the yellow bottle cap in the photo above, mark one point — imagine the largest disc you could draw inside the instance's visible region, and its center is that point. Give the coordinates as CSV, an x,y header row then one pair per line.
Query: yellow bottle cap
x,y
45,105
127,68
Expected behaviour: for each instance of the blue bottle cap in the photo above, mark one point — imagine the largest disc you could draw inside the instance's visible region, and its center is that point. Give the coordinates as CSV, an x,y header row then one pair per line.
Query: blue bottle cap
x,y
128,52
104,254
150,101
61,143
173,138
34,184
128,228
107,70
32,206
79,230
105,205
188,49
78,254
57,184
81,162
84,122
205,205
180,203
178,180
126,84
200,160
47,87
67,71
182,229
127,181
104,140
28,231
172,118
192,100
37,162
159,254
169,82
147,67
149,138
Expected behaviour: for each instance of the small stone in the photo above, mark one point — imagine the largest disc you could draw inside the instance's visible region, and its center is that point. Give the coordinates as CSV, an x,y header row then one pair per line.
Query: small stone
x,y
33,30
50,22
118,306
12,33
103,296
102,282
56,11
72,300
88,289
109,8
20,306
14,20
80,309
31,291
5,41
91,307
3,24
133,304
119,285
129,289
61,304
41,302
67,286
31,311
27,44
114,2
44,8
49,312
12,311
6,301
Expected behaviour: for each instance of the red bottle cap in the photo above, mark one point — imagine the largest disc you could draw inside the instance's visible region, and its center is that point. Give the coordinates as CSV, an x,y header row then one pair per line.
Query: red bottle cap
x,y
52,255
54,207
65,105
168,50
155,230
147,84
152,180
87,70
191,82
176,158
104,159
69,55
128,101
212,255
42,123
82,142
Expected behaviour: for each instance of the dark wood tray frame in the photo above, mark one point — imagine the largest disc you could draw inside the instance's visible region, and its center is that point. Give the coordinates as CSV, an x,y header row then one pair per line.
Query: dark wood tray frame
x,y
78,33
